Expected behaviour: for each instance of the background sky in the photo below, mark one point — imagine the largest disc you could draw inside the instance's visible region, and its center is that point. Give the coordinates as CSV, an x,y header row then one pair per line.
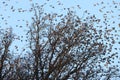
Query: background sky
x,y
16,14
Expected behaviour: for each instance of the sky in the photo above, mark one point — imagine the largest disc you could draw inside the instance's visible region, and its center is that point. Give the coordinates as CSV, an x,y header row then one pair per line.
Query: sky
x,y
16,14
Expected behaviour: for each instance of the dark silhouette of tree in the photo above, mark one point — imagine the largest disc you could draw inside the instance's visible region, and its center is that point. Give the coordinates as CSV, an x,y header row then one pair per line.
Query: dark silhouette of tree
x,y
6,38
69,48
61,47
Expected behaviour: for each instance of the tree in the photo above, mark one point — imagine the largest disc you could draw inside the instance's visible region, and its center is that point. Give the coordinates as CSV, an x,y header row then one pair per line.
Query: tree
x,y
69,48
5,56
61,47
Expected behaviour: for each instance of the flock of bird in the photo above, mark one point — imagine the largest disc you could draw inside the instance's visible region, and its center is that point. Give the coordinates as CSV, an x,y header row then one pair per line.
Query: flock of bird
x,y
114,7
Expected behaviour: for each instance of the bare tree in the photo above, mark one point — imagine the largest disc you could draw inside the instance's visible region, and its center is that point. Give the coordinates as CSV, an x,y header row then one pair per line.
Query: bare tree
x,y
5,42
69,48
61,47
